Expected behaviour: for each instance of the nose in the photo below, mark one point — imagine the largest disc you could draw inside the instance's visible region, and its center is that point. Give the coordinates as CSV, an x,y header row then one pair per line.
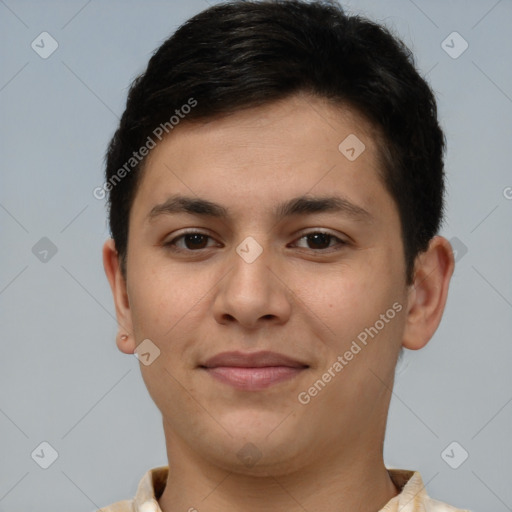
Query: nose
x,y
252,294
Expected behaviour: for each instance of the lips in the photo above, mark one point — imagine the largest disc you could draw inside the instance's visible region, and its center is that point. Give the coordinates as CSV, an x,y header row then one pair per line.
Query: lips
x,y
252,360
252,371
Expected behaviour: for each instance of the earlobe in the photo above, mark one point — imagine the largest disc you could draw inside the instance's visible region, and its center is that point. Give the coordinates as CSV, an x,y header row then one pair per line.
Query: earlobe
x,y
428,293
111,264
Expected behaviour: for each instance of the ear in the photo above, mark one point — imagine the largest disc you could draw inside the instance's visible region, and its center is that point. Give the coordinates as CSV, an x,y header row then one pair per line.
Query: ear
x,y
111,264
427,295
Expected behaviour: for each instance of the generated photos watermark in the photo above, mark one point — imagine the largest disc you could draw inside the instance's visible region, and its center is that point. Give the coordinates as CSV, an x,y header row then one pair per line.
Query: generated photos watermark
x,y
137,156
304,397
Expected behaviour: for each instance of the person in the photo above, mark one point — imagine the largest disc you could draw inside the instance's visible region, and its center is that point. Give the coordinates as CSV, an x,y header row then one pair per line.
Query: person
x,y
276,189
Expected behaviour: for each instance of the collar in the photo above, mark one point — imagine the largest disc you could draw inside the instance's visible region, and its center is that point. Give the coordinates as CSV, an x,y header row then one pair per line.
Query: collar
x,y
412,498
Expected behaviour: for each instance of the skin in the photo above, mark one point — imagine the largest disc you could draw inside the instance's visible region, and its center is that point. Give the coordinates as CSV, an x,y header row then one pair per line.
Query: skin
x,y
305,299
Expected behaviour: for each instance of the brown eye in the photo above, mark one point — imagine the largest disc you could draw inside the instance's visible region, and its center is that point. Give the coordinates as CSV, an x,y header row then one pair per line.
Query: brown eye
x,y
189,242
195,241
320,240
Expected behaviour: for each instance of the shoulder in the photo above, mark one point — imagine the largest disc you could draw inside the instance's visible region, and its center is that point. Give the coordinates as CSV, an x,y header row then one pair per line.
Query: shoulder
x,y
150,488
413,496
438,506
119,506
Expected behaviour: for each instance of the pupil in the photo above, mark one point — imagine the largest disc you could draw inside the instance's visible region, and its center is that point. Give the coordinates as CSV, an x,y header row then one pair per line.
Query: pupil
x,y
319,238
196,240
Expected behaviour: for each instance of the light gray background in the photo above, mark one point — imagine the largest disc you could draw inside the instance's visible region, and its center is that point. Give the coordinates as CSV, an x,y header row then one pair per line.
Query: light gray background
x,y
62,379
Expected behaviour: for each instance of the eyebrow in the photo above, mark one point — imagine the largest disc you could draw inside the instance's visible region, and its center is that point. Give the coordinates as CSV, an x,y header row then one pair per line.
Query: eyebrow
x,y
302,205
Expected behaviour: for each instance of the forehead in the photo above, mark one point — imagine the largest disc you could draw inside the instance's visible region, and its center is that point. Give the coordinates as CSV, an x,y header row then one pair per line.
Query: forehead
x,y
258,156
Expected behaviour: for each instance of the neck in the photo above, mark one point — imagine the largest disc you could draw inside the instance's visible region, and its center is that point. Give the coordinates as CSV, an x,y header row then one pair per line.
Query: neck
x,y
354,480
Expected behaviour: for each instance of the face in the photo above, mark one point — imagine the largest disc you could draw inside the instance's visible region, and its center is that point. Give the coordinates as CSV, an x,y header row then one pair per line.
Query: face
x,y
266,265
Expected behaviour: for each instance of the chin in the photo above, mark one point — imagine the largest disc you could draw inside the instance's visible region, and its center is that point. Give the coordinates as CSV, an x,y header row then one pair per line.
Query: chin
x,y
263,458
257,425
258,444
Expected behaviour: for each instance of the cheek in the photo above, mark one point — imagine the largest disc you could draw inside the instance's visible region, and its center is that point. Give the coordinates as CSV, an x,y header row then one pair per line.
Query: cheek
x,y
342,300
159,300
347,305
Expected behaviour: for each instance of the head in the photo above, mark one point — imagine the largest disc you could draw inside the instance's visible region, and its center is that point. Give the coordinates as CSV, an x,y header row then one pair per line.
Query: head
x,y
302,148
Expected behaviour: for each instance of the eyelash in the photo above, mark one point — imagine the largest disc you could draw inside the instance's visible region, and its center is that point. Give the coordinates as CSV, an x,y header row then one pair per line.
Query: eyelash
x,y
171,245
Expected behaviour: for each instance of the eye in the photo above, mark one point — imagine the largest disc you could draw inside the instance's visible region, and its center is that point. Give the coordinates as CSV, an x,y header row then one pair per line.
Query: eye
x,y
188,241
194,241
321,240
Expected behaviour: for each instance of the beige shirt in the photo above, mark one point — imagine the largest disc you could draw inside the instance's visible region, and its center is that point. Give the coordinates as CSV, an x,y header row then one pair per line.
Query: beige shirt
x,y
412,498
